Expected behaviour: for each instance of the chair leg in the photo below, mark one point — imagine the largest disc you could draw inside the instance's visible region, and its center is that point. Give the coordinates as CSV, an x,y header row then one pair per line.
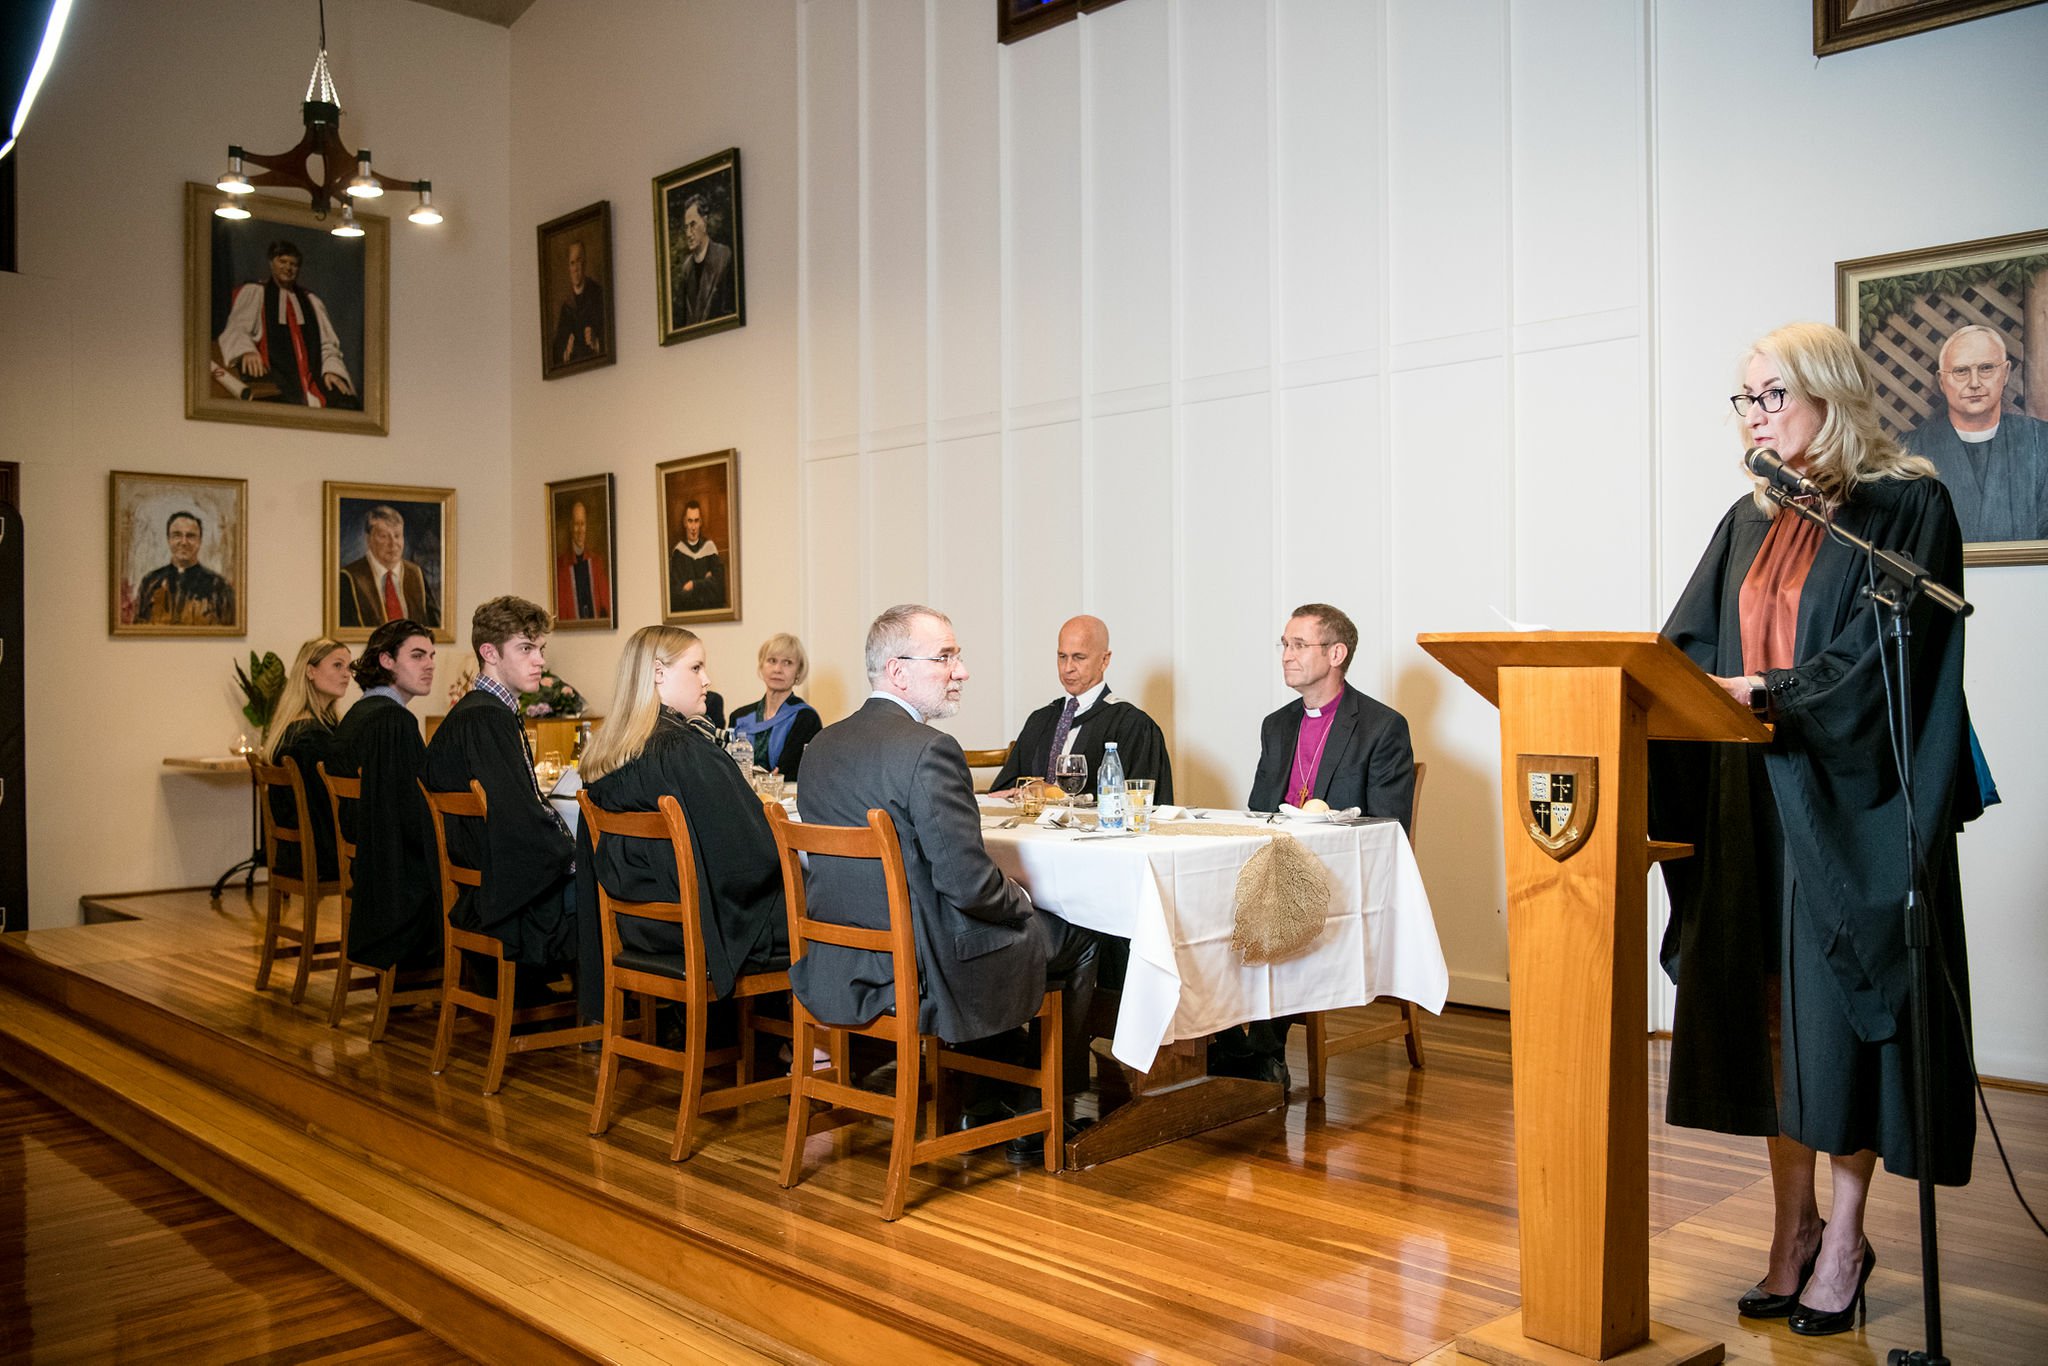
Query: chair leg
x,y
693,1077
444,1032
1053,1080
1318,1030
387,981
501,1029
903,1139
344,978
608,1065
746,1066
798,1130
1411,1013
309,935
273,912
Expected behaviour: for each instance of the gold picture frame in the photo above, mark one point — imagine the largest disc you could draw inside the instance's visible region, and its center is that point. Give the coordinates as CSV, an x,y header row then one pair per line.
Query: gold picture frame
x,y
700,581
576,311
599,557
154,520
342,357
695,298
1839,25
354,592
1900,308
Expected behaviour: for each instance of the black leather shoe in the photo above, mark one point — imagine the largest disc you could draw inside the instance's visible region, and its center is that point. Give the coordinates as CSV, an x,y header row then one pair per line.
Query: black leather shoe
x,y
1820,1323
1027,1148
1759,1303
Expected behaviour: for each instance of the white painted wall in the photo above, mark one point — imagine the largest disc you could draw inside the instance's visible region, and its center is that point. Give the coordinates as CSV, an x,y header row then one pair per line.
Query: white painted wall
x,y
1423,309
148,96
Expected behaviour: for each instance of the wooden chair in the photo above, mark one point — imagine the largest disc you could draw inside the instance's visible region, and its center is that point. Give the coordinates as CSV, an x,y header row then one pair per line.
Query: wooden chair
x,y
919,1058
1408,1027
280,937
346,980
499,1008
988,758
683,979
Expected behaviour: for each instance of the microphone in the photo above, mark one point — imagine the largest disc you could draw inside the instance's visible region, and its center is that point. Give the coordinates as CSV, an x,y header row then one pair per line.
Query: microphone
x,y
1768,465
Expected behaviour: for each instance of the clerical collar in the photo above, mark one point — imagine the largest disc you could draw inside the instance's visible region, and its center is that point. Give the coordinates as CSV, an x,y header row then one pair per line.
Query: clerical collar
x,y
1330,705
1088,699
1977,438
485,683
915,714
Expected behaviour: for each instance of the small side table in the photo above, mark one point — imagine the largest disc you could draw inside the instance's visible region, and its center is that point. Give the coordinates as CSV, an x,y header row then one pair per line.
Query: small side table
x,y
232,763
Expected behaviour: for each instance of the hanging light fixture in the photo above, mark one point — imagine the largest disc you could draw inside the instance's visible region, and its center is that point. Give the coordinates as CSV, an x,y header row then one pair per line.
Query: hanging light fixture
x,y
291,170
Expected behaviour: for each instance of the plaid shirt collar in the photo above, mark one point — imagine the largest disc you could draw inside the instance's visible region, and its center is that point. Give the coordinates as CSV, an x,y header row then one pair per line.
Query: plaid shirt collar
x,y
485,683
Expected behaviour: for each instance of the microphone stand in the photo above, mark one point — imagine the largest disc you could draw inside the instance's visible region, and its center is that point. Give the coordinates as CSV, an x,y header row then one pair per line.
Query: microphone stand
x,y
1904,582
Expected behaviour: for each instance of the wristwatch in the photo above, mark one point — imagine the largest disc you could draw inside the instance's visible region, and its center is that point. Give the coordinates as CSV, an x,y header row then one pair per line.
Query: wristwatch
x,y
1759,699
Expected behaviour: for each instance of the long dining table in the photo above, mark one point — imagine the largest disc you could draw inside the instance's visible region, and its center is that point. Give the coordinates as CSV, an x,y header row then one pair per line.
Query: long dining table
x,y
1173,894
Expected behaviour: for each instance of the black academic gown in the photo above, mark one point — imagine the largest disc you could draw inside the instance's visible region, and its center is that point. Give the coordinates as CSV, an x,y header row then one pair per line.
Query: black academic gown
x,y
1140,745
395,915
1798,865
311,743
524,851
739,878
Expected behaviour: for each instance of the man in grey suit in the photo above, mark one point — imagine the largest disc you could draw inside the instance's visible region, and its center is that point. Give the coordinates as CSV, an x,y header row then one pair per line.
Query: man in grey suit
x,y
985,954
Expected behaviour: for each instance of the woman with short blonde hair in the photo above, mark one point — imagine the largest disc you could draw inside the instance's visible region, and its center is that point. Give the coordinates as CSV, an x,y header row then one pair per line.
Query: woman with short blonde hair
x,y
781,723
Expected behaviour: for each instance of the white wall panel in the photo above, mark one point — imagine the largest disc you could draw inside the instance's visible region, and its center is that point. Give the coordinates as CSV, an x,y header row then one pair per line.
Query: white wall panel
x,y
966,307
1583,519
1047,501
1042,218
1128,266
830,199
897,526
1327,176
1447,168
1333,517
1225,187
838,619
967,576
1576,72
1226,595
1134,562
893,150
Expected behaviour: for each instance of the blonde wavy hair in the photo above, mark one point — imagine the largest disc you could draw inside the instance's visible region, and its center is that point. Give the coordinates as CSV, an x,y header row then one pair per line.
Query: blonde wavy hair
x,y
298,702
636,707
1819,364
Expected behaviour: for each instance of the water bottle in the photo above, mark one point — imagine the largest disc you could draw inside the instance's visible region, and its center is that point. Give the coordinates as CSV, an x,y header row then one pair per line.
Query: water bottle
x,y
582,743
1109,791
741,748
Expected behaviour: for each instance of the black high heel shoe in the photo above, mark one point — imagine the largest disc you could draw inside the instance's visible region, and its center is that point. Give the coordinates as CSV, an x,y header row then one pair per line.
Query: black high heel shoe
x,y
1817,1323
1759,1303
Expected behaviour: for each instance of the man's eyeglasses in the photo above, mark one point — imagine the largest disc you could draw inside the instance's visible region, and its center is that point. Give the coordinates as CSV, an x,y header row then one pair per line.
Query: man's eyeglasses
x,y
1296,647
1985,372
946,657
1770,400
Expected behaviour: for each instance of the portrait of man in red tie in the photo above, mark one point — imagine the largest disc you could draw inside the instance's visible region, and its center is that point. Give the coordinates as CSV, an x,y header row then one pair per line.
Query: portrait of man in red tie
x,y
388,556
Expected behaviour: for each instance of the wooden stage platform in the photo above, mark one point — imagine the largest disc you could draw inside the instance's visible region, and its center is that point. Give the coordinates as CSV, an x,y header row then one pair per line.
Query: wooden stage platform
x,y
1372,1227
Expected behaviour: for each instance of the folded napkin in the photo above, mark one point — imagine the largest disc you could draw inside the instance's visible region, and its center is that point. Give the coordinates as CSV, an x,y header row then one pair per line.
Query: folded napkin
x,y
1060,818
1169,813
1288,811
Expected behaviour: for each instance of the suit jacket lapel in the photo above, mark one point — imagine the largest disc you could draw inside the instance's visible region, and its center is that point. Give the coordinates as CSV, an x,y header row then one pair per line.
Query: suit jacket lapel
x,y
1338,741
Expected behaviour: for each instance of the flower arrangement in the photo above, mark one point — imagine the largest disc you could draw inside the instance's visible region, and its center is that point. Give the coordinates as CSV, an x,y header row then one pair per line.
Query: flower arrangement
x,y
553,698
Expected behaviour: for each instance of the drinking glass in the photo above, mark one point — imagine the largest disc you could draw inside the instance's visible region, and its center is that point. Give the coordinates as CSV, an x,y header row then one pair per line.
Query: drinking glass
x,y
549,770
1070,771
1138,794
1030,796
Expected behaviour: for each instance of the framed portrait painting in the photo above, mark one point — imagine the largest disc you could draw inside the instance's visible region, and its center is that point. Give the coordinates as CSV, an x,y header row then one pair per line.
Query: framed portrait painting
x,y
582,532
285,323
700,281
1839,25
1957,341
575,253
177,555
388,551
699,501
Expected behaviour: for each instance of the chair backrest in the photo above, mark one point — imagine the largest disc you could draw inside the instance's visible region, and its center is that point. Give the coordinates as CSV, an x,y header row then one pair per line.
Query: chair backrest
x,y
285,775
339,790
1415,803
440,806
673,828
876,840
988,758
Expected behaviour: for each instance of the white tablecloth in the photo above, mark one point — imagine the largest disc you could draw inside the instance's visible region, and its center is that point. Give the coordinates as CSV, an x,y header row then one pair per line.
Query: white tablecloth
x,y
1172,896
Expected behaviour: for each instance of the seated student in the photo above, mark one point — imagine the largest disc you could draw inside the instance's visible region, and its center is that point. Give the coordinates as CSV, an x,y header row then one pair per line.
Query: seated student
x,y
648,750
524,849
1086,719
395,913
302,728
781,723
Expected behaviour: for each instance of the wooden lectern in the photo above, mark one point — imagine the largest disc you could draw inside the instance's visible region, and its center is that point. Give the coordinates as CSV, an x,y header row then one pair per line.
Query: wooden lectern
x,y
1577,710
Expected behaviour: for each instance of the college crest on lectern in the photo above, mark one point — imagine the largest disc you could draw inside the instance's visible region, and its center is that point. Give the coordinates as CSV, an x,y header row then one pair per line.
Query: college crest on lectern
x,y
1560,796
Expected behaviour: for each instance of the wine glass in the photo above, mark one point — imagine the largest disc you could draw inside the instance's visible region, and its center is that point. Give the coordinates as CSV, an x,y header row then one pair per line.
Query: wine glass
x,y
1070,771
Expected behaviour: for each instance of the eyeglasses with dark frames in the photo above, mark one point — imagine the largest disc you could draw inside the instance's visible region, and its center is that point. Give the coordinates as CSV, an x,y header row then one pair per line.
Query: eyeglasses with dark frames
x,y
1771,400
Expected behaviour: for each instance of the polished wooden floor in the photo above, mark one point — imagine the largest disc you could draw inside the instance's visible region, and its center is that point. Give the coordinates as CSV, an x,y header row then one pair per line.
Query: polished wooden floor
x,y
1372,1227
104,1257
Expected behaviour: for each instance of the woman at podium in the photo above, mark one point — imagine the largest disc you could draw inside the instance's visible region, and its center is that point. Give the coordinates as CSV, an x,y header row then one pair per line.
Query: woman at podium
x,y
1787,937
